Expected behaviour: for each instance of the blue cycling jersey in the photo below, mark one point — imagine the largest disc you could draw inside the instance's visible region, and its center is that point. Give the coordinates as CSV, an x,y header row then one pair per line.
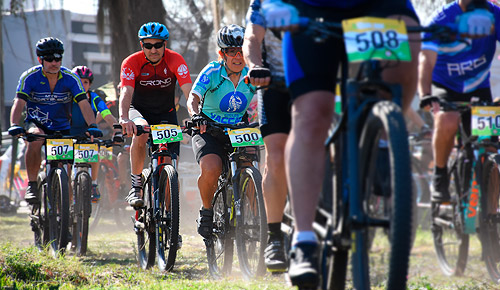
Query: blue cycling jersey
x,y
46,108
78,123
463,66
220,100
335,3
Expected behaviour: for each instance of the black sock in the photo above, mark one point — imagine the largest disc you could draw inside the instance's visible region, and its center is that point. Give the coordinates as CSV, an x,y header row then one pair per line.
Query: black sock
x,y
274,231
440,171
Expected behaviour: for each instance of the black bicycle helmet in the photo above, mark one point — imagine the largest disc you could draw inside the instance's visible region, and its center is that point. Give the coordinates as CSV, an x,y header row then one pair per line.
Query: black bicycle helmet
x,y
83,72
49,45
230,36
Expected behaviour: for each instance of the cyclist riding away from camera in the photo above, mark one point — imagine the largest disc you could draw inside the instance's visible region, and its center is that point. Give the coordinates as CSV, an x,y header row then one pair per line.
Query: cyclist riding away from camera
x,y
148,80
456,72
262,51
48,91
78,125
310,71
220,95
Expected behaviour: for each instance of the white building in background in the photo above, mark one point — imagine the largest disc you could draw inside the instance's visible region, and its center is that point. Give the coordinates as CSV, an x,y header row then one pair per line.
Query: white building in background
x,y
77,31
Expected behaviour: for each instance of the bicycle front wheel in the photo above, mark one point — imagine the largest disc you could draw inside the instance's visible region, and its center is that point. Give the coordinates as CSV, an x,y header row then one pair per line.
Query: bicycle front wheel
x,y
386,199
82,208
39,214
58,210
220,247
167,227
251,225
450,242
144,225
490,215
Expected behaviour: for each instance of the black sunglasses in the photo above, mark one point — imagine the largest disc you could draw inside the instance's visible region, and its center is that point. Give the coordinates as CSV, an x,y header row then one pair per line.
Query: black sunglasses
x,y
157,45
51,58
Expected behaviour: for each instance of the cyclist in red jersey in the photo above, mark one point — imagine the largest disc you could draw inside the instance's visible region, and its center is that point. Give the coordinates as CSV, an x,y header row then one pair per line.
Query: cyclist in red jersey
x,y
148,79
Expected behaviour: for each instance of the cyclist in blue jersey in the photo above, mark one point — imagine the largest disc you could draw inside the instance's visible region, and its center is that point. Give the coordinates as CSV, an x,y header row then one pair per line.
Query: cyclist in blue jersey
x,y
310,70
47,91
454,72
78,125
219,94
262,51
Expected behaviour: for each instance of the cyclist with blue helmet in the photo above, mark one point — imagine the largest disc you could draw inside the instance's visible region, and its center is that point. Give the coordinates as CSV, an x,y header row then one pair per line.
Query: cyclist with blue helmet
x,y
220,95
47,91
148,79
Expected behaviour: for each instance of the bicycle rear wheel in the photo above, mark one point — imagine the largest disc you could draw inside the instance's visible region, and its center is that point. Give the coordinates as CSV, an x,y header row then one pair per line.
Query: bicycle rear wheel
x,y
167,228
450,242
220,247
251,223
490,216
394,200
58,210
144,225
82,208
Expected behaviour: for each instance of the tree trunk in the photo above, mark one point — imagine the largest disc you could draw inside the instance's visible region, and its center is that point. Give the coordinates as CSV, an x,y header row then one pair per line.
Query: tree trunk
x,y
125,18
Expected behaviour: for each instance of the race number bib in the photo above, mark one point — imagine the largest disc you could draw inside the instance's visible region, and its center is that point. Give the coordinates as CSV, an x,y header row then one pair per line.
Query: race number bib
x,y
59,149
86,153
485,121
376,38
166,133
106,153
245,137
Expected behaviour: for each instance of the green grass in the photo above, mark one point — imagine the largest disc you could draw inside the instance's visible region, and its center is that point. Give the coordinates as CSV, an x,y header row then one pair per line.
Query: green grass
x,y
111,264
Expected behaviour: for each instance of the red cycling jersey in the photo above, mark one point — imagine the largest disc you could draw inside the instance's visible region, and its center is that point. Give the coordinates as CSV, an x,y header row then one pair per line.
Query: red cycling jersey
x,y
154,86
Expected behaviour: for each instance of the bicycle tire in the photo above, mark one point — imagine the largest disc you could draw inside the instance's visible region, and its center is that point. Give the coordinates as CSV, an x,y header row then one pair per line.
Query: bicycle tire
x,y
220,247
251,223
334,256
144,226
82,208
385,117
451,244
421,190
39,215
490,222
167,229
58,210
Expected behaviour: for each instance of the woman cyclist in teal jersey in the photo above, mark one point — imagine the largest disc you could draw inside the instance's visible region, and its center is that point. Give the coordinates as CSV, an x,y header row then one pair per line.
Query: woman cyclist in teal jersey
x,y
220,95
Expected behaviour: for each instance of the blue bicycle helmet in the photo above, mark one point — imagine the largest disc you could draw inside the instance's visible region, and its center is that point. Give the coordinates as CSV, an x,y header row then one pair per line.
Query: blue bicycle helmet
x,y
153,30
49,45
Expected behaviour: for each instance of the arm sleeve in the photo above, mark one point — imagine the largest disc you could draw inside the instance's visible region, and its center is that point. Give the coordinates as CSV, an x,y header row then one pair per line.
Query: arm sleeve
x,y
128,72
178,65
98,105
254,16
23,87
203,82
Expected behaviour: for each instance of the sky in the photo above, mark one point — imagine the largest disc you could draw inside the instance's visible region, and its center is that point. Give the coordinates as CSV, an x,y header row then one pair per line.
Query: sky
x,y
78,6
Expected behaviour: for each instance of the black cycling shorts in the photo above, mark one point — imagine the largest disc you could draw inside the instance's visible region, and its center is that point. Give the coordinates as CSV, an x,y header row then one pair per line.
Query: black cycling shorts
x,y
440,91
156,119
204,144
274,111
312,66
32,124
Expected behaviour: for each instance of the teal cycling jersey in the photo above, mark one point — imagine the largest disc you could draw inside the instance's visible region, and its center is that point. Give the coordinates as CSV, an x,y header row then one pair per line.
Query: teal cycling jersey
x,y
221,101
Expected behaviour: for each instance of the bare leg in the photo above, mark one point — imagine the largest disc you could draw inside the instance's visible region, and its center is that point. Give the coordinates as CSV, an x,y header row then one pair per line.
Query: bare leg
x,y
312,115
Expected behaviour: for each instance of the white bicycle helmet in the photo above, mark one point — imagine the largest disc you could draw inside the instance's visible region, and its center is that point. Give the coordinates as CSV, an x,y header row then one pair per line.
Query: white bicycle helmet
x,y
230,36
